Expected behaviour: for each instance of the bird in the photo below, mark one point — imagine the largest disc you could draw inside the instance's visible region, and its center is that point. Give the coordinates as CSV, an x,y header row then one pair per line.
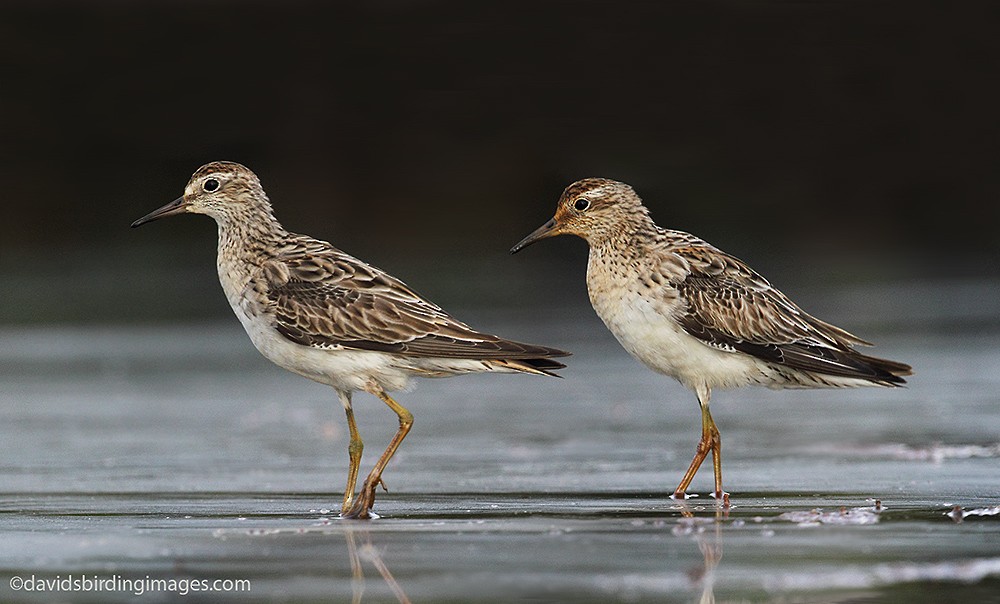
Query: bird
x,y
323,314
689,310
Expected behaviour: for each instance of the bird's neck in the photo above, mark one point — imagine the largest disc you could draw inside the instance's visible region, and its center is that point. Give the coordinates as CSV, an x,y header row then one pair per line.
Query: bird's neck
x,y
245,244
248,238
626,237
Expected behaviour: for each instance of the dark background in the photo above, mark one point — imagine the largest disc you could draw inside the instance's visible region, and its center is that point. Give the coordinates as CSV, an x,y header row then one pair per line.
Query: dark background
x,y
821,141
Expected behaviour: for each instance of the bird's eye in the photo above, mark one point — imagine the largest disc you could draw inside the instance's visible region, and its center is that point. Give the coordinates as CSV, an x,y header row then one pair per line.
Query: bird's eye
x,y
210,185
581,204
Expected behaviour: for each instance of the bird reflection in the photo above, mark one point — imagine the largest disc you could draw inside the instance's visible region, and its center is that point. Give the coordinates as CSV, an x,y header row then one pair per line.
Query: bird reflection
x,y
707,533
360,549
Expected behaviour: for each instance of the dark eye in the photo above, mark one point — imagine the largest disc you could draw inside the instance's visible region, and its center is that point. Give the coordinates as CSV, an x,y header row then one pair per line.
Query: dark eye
x,y
581,204
210,185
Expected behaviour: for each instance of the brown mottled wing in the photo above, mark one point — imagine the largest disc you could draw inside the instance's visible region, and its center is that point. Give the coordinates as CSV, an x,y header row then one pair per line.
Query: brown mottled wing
x,y
731,307
322,297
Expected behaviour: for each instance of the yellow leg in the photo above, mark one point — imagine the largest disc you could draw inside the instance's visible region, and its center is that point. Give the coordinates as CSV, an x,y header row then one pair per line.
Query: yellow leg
x,y
711,440
354,450
366,497
716,456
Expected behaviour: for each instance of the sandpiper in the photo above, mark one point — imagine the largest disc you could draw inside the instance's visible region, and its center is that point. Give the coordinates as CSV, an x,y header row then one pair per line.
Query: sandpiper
x,y
691,311
325,315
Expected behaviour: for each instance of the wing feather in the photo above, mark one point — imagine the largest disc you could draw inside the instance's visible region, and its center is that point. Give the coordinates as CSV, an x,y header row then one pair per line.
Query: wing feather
x,y
322,297
732,307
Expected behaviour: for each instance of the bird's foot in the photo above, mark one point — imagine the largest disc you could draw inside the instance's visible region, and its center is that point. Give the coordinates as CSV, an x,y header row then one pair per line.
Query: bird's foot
x,y
360,508
722,497
681,495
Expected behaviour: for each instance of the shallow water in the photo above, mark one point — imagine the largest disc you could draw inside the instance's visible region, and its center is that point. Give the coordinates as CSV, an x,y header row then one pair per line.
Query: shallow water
x,y
176,452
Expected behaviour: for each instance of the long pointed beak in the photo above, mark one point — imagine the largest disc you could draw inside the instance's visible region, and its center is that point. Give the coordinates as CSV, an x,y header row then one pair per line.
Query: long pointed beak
x,y
177,206
549,229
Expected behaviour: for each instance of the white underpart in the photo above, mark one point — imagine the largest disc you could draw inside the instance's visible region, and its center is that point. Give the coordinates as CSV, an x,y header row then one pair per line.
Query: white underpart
x,y
648,332
345,369
644,322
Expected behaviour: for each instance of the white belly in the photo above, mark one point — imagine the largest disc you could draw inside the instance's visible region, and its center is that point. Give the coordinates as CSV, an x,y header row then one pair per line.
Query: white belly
x,y
347,370
344,369
645,327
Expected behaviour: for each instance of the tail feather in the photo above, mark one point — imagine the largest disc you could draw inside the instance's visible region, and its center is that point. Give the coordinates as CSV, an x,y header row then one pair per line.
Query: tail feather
x,y
844,362
889,371
847,363
537,366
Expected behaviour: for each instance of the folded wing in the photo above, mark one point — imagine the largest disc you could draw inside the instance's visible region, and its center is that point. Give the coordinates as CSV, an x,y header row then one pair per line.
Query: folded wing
x,y
731,307
324,298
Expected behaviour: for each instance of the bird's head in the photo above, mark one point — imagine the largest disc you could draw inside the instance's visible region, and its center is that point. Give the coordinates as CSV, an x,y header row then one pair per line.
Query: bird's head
x,y
223,190
592,208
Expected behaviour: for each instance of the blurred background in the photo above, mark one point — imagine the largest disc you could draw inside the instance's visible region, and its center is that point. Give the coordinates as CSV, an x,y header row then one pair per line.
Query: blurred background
x,y
823,142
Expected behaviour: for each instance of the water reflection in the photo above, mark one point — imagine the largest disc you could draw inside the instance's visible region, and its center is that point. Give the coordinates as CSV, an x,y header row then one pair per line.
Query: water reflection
x,y
367,552
707,533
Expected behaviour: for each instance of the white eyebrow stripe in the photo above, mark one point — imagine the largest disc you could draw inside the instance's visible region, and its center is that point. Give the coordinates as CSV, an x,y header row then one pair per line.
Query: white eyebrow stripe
x,y
596,191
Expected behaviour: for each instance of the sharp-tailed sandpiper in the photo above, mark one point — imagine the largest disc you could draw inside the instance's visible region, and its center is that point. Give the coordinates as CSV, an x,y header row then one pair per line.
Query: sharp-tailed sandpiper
x,y
691,311
325,315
